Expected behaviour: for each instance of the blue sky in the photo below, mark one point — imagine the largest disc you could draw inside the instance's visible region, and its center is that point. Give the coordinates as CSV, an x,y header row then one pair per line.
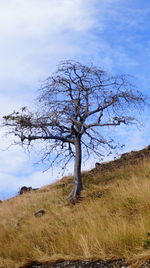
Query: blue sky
x,y
35,35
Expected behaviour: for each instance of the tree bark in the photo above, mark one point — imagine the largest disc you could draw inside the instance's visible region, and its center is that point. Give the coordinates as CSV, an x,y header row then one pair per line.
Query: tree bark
x,y
77,186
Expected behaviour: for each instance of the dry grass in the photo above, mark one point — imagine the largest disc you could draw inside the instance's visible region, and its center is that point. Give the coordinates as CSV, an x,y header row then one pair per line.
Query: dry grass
x,y
112,221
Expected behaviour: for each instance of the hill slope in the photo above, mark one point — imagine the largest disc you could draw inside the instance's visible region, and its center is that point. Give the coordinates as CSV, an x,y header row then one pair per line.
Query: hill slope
x,y
111,221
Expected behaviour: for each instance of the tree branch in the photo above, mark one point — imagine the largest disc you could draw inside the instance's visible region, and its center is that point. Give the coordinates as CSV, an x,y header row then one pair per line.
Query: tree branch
x,y
50,137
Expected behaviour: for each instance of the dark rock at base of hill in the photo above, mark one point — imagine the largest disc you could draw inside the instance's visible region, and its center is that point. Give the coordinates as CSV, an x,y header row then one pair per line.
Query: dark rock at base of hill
x,y
78,264
120,263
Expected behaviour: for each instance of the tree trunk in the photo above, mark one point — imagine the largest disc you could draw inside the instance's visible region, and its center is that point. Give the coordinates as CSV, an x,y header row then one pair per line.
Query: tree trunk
x,y
77,186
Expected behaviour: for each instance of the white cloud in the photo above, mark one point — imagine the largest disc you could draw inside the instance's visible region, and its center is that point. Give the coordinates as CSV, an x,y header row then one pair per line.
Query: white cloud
x,y
39,18
34,36
10,181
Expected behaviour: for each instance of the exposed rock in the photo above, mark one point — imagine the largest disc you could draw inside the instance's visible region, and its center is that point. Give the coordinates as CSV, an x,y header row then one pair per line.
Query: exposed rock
x,y
120,263
25,189
97,164
39,213
78,264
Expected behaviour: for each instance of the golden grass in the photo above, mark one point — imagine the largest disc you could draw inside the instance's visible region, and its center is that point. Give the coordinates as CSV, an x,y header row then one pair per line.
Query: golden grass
x,y
112,220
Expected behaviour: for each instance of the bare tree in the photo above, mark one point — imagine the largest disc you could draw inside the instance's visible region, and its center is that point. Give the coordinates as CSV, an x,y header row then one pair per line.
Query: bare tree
x,y
76,104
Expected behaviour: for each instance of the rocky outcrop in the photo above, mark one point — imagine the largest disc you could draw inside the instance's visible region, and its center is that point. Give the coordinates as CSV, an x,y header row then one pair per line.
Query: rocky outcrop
x,y
120,263
78,264
25,189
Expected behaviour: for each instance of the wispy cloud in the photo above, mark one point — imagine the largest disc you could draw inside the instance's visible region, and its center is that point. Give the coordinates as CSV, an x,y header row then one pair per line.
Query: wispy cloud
x,y
33,33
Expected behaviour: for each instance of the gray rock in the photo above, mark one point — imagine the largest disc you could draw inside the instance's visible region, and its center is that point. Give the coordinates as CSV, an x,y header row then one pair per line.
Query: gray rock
x,y
39,213
25,189
97,164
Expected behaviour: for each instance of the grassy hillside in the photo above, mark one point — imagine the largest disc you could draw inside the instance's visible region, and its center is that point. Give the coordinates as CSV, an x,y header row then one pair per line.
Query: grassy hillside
x,y
111,221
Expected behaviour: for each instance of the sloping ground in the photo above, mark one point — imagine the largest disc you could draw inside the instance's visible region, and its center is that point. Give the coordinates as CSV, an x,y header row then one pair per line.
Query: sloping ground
x,y
126,159
111,222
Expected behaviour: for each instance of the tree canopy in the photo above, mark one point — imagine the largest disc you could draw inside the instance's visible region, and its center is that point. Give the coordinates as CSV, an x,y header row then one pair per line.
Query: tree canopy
x,y
75,104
